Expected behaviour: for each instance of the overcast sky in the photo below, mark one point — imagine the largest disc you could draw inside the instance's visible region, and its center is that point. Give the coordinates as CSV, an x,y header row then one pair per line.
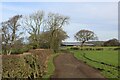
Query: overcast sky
x,y
59,0
100,17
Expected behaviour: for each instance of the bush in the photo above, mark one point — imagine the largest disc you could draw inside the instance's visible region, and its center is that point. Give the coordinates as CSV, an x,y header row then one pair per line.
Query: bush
x,y
81,49
116,48
16,51
24,65
112,42
74,48
88,49
25,49
99,49
20,50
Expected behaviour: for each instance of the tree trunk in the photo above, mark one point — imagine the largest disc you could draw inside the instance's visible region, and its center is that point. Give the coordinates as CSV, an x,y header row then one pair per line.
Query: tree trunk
x,y
82,43
8,52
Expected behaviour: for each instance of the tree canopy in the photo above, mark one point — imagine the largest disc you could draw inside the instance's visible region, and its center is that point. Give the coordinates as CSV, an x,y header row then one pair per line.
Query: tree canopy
x,y
10,32
44,31
54,24
85,35
112,42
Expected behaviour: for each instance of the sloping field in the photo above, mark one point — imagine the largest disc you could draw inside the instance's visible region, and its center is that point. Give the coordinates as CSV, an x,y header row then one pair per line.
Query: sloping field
x,y
28,65
105,60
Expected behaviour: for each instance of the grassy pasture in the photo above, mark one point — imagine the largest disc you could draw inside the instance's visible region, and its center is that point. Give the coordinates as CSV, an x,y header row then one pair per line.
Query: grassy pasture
x,y
105,60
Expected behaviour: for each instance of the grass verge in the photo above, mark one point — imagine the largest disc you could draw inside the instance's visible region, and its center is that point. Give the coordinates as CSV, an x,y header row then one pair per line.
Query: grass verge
x,y
51,67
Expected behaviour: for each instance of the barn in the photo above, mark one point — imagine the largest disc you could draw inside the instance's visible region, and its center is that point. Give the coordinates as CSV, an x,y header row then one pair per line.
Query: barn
x,y
75,44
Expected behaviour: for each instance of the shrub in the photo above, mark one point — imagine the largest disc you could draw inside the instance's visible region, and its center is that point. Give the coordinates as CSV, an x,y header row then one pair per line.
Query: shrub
x,y
19,49
25,49
25,65
88,49
16,51
81,49
116,48
112,42
99,49
74,48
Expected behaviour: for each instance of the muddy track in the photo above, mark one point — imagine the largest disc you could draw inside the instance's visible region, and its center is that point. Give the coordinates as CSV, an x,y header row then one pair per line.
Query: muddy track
x,y
67,66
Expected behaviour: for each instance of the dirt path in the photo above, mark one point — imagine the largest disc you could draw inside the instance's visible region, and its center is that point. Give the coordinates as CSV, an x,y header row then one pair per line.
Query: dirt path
x,y
67,66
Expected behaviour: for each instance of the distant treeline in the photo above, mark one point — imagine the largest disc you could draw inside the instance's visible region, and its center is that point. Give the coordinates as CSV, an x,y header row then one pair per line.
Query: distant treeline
x,y
111,42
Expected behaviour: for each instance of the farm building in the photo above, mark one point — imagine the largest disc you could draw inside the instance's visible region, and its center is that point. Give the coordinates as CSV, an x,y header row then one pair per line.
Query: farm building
x,y
75,44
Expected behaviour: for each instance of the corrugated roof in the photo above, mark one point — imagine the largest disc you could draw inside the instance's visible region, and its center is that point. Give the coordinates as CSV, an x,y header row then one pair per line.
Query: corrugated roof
x,y
74,43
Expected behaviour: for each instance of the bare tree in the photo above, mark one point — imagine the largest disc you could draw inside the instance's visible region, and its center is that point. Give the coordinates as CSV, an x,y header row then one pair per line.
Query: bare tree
x,y
45,40
32,24
54,24
85,35
9,30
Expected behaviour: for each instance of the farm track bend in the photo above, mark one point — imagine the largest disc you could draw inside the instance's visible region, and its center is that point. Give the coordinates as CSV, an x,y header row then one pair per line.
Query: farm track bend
x,y
67,66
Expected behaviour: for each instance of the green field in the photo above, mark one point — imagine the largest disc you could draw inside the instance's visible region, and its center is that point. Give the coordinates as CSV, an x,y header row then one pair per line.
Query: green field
x,y
105,60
